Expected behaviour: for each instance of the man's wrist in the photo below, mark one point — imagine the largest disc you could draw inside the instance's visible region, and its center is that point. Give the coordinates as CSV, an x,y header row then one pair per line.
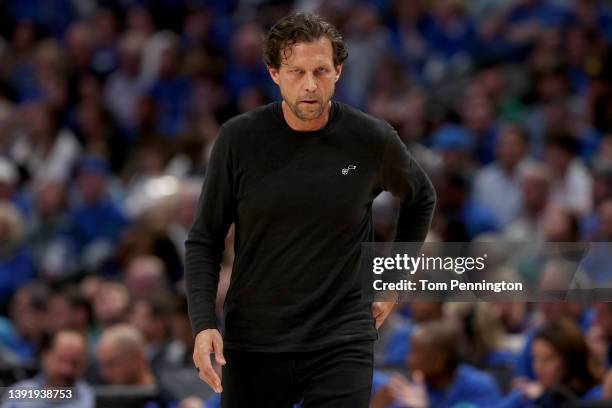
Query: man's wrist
x,y
391,296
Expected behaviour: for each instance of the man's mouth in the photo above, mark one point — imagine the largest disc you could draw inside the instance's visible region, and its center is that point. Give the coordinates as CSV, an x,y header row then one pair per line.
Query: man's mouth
x,y
310,102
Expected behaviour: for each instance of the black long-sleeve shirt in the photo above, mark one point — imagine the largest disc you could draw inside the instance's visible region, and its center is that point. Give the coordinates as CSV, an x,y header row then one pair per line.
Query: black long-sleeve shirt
x,y
301,203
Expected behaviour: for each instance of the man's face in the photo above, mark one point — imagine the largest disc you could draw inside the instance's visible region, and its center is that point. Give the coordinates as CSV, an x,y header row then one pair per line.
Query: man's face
x,y
510,148
422,357
116,367
307,77
65,362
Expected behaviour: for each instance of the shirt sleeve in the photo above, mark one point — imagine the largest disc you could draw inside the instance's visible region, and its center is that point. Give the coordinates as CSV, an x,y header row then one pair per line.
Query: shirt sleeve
x,y
205,242
403,177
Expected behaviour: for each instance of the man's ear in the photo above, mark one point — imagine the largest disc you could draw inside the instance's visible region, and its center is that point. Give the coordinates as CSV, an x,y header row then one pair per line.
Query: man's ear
x,y
273,74
338,72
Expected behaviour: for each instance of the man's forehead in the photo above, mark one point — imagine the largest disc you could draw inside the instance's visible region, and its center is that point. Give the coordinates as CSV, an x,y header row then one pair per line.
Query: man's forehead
x,y
320,50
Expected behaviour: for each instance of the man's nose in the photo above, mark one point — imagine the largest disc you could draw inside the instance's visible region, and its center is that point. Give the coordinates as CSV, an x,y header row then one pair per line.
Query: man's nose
x,y
311,84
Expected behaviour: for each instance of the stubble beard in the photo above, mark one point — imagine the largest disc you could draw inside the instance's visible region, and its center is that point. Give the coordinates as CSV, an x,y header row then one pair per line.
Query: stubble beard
x,y
308,115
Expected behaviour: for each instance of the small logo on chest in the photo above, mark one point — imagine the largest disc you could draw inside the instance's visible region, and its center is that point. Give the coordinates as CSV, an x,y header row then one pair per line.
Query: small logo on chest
x,y
345,171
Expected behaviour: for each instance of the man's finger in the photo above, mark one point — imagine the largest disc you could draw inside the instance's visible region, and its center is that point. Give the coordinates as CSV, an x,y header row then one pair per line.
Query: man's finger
x,y
211,382
208,374
376,310
218,346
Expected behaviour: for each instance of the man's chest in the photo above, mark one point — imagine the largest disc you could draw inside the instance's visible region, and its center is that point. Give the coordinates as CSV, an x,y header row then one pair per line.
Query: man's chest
x,y
328,177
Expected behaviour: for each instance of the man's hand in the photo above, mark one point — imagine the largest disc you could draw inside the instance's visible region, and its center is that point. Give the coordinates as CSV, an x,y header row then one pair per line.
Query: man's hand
x,y
412,394
206,342
380,311
532,390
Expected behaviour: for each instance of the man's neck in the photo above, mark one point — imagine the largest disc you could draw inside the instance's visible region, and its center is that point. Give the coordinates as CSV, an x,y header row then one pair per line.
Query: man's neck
x,y
300,125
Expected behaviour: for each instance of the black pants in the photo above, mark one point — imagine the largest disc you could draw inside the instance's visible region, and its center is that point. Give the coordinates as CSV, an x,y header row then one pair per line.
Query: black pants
x,y
338,376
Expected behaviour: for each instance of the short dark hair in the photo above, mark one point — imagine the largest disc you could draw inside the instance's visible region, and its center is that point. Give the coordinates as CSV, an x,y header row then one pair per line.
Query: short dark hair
x,y
301,28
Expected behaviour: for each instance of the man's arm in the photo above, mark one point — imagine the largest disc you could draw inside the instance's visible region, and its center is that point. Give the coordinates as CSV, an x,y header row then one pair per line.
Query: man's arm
x,y
404,178
204,253
205,243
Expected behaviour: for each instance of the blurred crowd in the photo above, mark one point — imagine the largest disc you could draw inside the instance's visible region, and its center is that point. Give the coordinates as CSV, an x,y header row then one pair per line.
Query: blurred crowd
x,y
109,110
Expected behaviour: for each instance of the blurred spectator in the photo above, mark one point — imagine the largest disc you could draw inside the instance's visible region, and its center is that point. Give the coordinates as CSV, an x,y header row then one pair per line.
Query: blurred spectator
x,y
151,317
42,146
126,85
150,237
139,20
497,185
96,128
464,217
106,34
572,185
24,333
184,209
451,39
366,41
98,220
455,146
143,189
409,33
145,277
486,343
29,76
565,370
246,68
555,275
16,261
54,251
389,84
121,356
68,309
171,91
479,118
397,347
110,304
535,189
438,377
63,365
80,47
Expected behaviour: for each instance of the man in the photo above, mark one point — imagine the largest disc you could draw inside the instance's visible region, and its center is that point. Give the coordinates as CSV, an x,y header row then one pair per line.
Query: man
x,y
122,359
63,366
498,185
438,378
297,178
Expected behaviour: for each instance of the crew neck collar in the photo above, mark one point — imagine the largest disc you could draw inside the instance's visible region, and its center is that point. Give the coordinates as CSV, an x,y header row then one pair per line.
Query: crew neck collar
x,y
334,114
